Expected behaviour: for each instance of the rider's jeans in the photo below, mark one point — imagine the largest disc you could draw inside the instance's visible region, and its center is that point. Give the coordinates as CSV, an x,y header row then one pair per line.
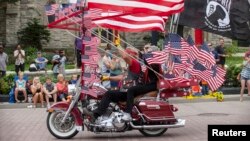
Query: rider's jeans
x,y
116,96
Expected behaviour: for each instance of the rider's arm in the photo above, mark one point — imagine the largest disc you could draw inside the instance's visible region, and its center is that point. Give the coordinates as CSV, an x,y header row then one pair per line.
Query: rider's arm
x,y
116,78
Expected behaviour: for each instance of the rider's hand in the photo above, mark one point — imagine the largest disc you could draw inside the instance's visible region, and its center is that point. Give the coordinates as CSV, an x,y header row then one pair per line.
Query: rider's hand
x,y
104,78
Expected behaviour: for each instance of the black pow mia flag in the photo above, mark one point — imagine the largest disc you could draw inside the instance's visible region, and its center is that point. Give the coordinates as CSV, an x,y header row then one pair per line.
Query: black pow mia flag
x,y
229,18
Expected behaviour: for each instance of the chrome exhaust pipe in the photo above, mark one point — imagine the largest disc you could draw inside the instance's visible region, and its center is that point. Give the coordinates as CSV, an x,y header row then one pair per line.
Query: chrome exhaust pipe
x,y
179,123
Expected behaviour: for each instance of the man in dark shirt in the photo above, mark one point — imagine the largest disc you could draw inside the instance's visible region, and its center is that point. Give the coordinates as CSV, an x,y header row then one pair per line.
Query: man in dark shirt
x,y
221,53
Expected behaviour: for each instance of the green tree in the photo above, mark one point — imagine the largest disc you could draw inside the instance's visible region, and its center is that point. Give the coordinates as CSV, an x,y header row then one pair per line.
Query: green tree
x,y
33,34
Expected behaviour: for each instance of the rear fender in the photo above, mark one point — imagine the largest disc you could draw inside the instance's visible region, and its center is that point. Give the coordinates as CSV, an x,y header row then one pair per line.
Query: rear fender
x,y
63,106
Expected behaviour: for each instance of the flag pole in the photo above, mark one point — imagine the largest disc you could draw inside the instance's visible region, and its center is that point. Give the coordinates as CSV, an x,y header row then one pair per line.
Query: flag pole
x,y
171,24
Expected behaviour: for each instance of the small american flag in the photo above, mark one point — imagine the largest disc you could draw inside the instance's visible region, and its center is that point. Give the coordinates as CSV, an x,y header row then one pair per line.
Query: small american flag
x,y
193,50
157,57
90,59
176,45
201,71
217,78
51,9
207,56
90,41
89,77
90,50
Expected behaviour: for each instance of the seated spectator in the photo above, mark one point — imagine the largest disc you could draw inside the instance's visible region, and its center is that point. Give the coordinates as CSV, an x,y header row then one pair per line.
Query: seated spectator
x,y
62,87
41,62
73,79
49,89
37,92
72,84
33,67
20,87
196,90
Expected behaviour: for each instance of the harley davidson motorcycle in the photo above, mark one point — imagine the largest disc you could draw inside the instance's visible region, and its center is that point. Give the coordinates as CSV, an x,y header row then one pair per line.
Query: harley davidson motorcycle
x,y
152,114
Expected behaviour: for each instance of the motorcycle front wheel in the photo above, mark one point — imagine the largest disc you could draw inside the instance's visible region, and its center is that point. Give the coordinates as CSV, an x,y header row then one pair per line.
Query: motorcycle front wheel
x,y
61,130
153,132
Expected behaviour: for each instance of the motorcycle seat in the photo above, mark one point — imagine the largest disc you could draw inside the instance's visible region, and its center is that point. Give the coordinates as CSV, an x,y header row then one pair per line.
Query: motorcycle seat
x,y
137,98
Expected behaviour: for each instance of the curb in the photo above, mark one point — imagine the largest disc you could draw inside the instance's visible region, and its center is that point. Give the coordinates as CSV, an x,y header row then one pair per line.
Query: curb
x,y
176,100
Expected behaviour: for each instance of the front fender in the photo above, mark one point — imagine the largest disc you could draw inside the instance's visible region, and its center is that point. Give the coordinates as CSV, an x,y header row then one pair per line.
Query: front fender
x,y
63,106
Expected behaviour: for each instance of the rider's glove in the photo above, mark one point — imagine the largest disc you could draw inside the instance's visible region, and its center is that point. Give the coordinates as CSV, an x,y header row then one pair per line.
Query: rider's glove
x,y
104,78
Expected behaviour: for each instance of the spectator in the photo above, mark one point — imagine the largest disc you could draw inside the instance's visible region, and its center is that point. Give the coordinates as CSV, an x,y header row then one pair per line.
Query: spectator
x,y
58,61
196,90
37,92
105,66
221,53
73,79
216,57
115,69
20,87
41,62
33,67
55,61
245,75
62,87
3,61
19,55
61,65
72,84
204,87
49,89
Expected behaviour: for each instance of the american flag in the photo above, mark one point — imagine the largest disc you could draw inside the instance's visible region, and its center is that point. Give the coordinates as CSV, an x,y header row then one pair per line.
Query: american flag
x,y
51,9
176,45
91,60
217,78
93,13
90,41
201,71
193,50
156,57
153,7
207,55
89,77
179,65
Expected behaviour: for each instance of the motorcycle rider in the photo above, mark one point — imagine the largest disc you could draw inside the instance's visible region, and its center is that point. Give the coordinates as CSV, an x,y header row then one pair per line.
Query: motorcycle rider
x,y
116,95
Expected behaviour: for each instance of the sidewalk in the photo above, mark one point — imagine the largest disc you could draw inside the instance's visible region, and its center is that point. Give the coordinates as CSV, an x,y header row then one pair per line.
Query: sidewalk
x,y
6,105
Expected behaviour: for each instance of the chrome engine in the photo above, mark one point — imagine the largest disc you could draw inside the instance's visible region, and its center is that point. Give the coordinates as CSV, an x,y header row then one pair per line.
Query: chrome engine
x,y
111,121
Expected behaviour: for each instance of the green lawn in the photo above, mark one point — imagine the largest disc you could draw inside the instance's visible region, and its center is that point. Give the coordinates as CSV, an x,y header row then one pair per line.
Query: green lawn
x,y
11,67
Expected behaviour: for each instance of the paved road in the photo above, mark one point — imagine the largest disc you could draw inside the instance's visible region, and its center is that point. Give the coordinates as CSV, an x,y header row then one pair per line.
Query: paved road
x,y
29,124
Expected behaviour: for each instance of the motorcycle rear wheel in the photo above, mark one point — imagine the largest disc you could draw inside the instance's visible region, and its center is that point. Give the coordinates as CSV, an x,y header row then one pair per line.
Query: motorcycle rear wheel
x,y
153,132
59,130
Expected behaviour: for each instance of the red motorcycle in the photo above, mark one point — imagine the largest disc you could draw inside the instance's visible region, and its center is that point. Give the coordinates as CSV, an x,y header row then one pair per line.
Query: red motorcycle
x,y
152,114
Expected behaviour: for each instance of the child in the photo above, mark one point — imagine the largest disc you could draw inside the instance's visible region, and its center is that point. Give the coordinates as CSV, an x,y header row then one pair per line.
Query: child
x,y
73,79
20,87
196,90
204,86
62,87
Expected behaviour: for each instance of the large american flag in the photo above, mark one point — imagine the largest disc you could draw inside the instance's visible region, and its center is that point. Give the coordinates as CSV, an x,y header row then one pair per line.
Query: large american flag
x,y
148,7
133,23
